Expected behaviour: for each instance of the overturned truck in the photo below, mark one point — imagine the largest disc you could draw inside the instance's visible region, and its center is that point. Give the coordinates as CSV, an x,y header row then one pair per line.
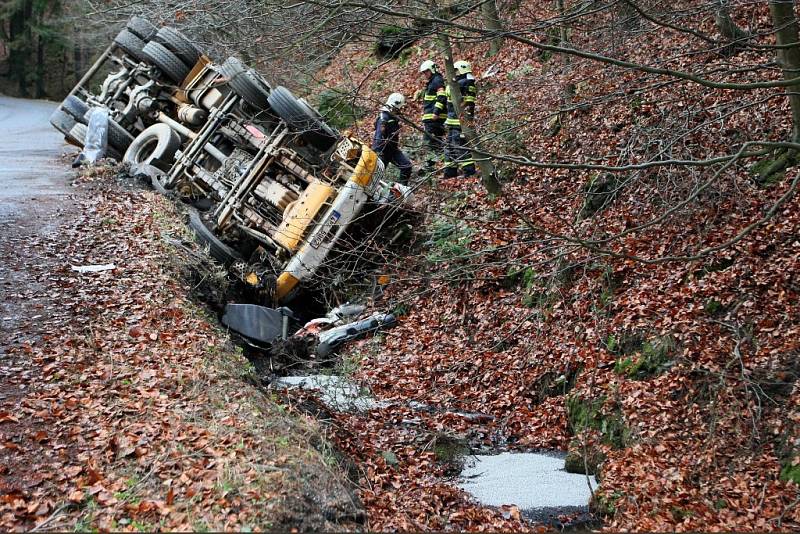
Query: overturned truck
x,y
279,186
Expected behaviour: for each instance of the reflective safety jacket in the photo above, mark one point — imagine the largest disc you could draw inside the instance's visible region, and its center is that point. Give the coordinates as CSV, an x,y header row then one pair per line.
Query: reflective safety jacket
x,y
469,91
435,100
387,133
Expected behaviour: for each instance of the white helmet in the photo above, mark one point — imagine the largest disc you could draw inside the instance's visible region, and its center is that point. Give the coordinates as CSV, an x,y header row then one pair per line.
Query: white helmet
x,y
462,67
427,65
396,101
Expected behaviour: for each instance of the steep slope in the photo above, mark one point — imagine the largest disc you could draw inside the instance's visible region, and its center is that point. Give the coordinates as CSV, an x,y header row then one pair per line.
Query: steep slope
x,y
681,373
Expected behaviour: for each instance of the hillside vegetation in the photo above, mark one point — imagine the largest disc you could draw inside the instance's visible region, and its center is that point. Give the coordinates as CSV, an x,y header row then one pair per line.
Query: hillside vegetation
x,y
646,318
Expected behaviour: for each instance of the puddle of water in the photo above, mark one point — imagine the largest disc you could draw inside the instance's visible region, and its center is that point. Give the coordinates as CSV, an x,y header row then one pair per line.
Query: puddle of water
x,y
336,392
534,482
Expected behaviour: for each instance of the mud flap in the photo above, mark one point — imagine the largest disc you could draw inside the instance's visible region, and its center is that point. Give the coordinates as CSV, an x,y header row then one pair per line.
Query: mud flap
x,y
257,322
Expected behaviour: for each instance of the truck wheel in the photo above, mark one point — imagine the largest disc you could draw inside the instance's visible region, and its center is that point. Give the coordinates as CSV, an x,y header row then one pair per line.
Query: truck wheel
x,y
130,44
218,250
77,135
171,66
118,137
155,146
75,107
178,44
246,83
302,118
141,28
62,122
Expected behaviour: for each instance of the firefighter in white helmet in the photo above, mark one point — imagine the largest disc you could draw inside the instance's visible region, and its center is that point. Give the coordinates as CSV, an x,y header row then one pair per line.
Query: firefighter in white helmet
x,y
456,154
434,110
386,142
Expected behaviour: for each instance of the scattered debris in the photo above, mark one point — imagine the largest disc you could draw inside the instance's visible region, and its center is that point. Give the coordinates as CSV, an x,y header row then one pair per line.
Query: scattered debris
x,y
93,268
333,338
336,392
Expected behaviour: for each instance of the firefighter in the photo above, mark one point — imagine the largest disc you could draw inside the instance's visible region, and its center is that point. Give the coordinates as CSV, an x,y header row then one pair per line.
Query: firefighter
x,y
386,142
456,155
433,110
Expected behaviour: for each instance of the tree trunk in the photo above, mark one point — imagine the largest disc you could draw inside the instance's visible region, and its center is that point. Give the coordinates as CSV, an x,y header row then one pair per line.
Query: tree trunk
x,y
40,89
786,34
19,46
485,165
728,28
563,30
491,20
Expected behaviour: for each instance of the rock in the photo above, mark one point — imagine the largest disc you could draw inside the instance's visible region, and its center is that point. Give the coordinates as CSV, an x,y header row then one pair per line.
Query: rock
x,y
451,449
390,457
574,462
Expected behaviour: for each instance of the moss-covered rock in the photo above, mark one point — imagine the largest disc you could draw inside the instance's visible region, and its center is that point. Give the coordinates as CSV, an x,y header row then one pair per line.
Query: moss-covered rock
x,y
591,414
655,356
605,505
588,464
450,450
599,192
772,169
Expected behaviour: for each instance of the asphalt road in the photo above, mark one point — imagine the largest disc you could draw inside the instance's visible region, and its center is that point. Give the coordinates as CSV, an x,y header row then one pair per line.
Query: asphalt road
x,y
35,199
32,173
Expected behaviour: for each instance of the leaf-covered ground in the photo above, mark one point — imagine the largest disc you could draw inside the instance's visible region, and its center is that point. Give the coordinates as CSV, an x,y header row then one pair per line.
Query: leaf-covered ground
x,y
131,410
684,374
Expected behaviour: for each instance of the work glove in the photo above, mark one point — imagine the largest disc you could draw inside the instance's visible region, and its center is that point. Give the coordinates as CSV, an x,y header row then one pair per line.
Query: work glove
x,y
418,94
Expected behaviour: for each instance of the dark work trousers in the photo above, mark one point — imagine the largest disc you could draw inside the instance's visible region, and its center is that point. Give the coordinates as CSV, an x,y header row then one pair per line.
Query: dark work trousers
x,y
434,137
400,160
456,156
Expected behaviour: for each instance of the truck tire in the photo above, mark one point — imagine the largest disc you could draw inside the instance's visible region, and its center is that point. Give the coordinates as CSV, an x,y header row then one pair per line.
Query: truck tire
x,y
129,43
218,250
141,28
155,146
303,119
61,121
171,66
178,44
118,137
246,83
77,135
75,107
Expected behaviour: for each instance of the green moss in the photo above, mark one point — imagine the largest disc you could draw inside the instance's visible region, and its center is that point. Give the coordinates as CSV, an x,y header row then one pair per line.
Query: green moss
x,y
654,357
402,308
448,241
713,307
599,192
589,414
679,514
772,169
450,450
575,463
611,343
790,473
605,505
391,30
